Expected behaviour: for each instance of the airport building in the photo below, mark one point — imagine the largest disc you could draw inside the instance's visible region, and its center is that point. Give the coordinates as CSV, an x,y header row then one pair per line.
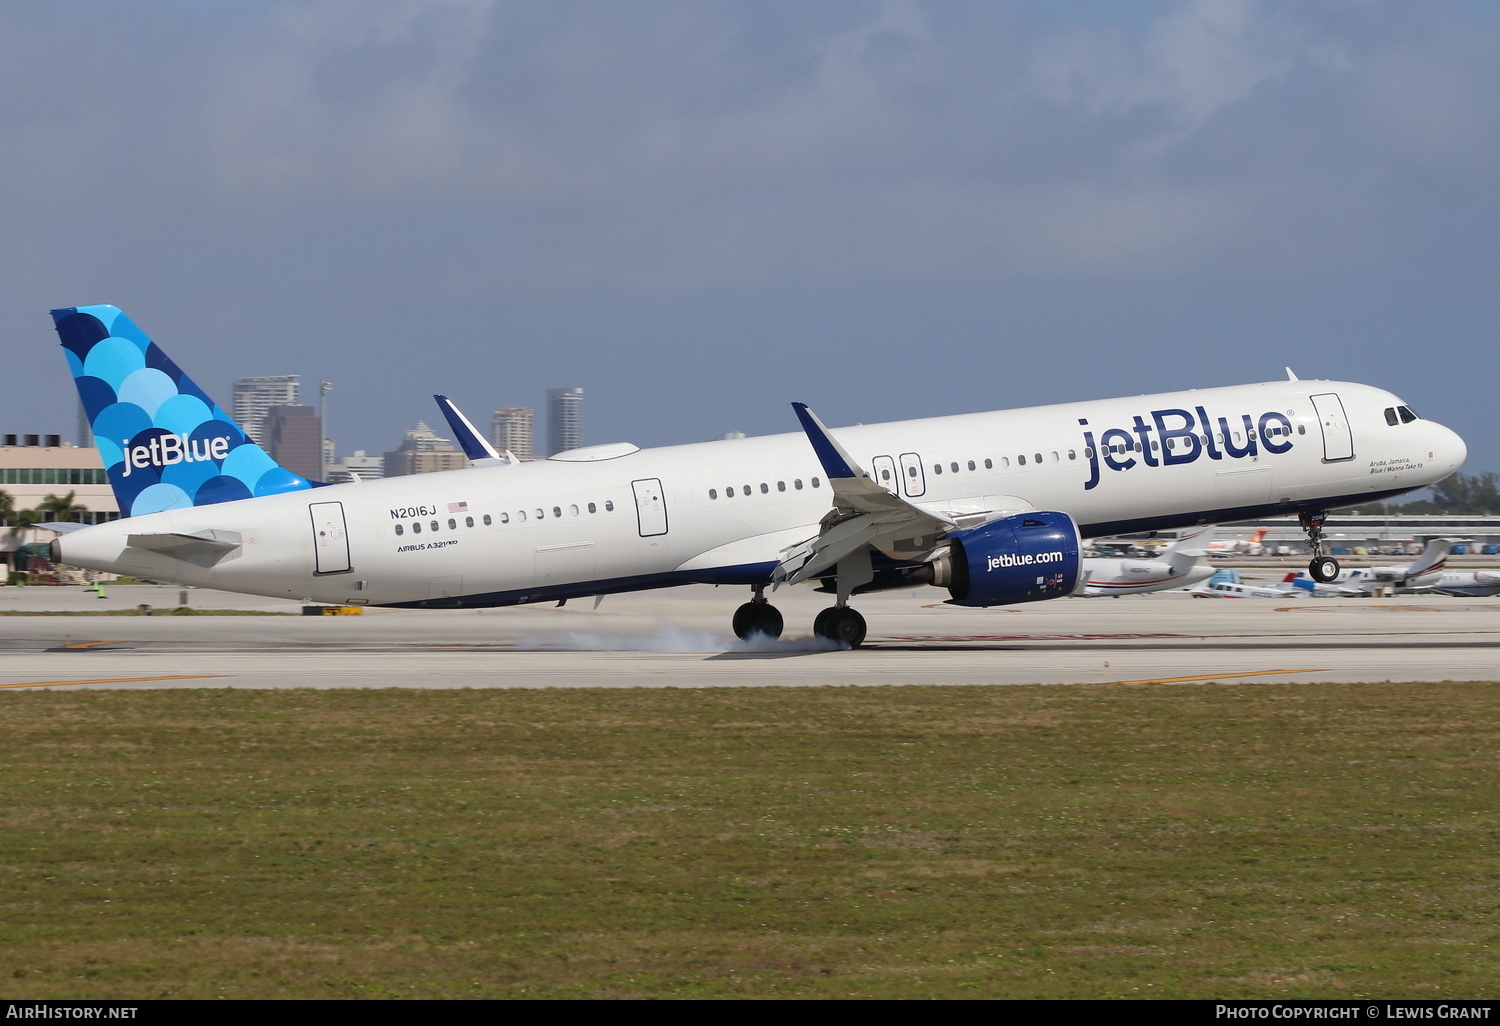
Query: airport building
x,y
511,430
422,451
254,397
564,419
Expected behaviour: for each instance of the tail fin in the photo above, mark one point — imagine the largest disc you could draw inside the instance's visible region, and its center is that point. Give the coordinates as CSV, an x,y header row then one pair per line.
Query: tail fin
x,y
1434,558
1183,553
165,443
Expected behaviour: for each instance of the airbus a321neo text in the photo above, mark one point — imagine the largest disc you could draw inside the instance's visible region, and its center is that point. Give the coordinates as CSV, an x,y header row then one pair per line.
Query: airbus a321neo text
x,y
990,507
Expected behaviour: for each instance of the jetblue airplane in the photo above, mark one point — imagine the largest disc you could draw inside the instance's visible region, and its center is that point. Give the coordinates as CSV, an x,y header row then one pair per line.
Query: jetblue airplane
x,y
991,507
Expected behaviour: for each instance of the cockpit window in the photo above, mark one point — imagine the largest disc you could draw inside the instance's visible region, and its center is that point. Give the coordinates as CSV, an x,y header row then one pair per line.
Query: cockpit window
x,y
1406,415
1390,416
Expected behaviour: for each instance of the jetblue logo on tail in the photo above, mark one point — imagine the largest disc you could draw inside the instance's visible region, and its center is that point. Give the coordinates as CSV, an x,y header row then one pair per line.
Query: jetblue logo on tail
x,y
1172,437
164,442
170,449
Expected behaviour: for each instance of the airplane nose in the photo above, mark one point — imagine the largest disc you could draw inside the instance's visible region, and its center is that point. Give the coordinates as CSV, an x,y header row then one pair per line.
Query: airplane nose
x,y
1448,450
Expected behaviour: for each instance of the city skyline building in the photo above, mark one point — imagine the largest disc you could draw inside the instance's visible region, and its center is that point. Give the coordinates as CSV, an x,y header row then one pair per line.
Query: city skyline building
x,y
511,431
564,419
294,438
254,397
423,451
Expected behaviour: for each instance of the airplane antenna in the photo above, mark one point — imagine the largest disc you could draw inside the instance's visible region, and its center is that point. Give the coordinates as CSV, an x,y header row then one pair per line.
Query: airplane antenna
x,y
1291,376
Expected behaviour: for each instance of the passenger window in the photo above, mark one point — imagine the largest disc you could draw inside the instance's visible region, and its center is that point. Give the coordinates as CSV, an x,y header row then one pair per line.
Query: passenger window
x,y
988,465
1088,452
595,509
781,486
452,524
746,489
521,516
1301,429
1055,457
573,509
713,493
541,514
729,492
971,464
1021,461
557,511
1039,457
609,505
911,471
1155,445
885,475
937,468
1004,461
816,483
764,488
797,483
400,530
435,527
468,521
416,528
954,467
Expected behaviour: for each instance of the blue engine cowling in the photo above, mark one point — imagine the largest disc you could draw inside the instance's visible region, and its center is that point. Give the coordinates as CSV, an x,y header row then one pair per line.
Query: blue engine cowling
x,y
1022,558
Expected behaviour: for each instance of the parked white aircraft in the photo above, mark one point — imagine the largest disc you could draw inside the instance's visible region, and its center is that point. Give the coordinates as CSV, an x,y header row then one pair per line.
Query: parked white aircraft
x,y
1420,573
990,506
1472,583
1177,566
1227,584
1251,546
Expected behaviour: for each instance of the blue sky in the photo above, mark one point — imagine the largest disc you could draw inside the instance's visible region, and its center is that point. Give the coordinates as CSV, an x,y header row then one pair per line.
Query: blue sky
x,y
702,210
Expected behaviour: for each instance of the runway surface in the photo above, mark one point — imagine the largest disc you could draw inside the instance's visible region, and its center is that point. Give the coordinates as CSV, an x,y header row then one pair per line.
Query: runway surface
x,y
681,638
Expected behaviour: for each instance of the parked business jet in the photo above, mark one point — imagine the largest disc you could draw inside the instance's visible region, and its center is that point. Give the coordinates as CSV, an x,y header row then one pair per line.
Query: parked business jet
x,y
991,507
1176,567
1471,583
1420,573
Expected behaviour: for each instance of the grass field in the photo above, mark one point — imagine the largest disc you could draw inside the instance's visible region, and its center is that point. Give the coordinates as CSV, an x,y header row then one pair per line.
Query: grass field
x,y
1102,841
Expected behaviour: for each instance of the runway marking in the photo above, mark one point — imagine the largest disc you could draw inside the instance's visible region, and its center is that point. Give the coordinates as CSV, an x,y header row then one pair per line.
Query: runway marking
x,y
77,645
1209,676
111,680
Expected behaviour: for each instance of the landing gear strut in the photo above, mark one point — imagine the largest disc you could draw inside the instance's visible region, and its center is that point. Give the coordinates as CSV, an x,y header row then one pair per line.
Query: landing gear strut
x,y
757,617
1322,569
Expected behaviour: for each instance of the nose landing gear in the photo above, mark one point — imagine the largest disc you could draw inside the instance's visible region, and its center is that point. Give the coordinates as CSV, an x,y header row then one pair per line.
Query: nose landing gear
x,y
1323,568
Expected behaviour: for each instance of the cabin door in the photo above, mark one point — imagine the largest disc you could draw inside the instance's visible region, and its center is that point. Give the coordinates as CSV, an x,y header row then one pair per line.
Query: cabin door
x,y
650,507
883,468
1338,443
330,537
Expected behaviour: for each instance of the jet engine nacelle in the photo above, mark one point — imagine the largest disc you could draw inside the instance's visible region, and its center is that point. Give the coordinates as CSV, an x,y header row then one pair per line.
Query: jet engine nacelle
x,y
1022,558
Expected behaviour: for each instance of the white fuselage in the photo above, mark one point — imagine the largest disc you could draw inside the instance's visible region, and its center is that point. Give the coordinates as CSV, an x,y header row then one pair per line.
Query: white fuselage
x,y
724,511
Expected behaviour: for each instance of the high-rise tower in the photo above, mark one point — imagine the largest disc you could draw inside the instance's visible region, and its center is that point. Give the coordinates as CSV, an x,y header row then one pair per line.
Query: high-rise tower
x,y
253,397
564,419
510,429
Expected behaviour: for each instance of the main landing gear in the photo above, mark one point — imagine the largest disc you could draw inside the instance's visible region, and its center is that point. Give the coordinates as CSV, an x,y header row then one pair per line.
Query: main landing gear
x,y
842,624
757,617
1322,569
836,623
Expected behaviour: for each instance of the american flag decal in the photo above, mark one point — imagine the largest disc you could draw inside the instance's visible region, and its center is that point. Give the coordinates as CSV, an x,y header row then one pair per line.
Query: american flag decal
x,y
458,507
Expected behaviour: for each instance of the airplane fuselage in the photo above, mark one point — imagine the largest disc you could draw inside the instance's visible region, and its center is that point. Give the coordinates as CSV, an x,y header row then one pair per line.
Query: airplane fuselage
x,y
616,518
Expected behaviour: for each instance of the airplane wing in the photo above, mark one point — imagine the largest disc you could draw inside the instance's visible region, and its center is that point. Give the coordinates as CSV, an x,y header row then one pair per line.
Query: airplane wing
x,y
865,515
475,446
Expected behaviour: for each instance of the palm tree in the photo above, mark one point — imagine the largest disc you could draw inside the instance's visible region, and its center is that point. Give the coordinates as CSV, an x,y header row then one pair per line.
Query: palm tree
x,y
63,508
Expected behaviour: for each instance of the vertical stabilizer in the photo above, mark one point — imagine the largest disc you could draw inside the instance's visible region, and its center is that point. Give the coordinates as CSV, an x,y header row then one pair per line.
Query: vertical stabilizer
x,y
164,442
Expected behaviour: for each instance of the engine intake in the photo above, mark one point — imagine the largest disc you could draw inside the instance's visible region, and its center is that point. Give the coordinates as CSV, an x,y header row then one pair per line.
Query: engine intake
x,y
1027,557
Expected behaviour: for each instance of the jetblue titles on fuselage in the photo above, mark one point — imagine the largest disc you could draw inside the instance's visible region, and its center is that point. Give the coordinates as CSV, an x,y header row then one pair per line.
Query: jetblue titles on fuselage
x,y
1165,438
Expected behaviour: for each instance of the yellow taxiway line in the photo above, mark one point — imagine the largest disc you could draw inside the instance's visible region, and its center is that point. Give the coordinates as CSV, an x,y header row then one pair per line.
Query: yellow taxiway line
x,y
1209,676
111,680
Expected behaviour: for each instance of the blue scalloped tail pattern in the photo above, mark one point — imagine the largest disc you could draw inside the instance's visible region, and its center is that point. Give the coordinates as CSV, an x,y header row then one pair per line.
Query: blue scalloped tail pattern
x,y
164,442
